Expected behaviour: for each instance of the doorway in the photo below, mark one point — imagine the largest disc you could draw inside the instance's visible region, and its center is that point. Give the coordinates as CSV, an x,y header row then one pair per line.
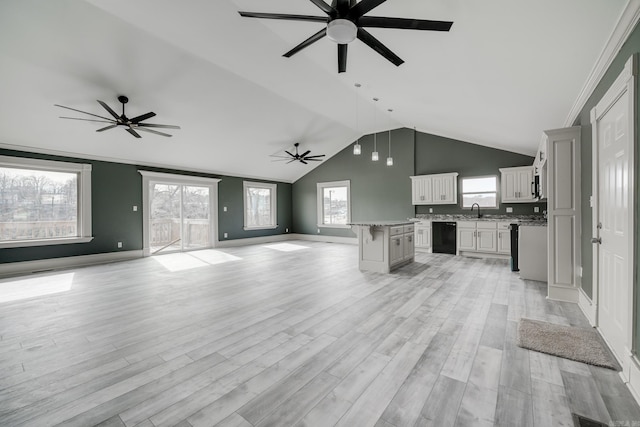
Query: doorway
x,y
613,214
179,213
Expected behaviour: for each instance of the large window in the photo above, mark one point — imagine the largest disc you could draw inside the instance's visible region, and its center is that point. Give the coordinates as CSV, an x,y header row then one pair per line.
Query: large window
x,y
259,205
334,200
44,202
480,190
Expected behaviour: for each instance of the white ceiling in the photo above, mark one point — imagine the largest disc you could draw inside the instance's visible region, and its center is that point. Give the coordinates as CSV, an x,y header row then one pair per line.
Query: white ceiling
x,y
507,70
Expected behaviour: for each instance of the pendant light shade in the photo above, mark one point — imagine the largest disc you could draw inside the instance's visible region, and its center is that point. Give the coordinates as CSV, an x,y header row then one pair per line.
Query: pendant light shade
x,y
374,155
390,159
357,149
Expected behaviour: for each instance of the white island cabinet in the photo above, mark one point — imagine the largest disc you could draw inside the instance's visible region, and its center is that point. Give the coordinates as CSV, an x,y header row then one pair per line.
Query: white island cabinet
x,y
384,245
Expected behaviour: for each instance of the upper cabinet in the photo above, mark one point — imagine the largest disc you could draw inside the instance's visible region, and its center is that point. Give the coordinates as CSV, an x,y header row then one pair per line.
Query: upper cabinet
x,y
517,184
437,189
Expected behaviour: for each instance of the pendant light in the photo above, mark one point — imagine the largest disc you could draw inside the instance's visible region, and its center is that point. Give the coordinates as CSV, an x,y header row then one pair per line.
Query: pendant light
x,y
390,159
357,149
374,155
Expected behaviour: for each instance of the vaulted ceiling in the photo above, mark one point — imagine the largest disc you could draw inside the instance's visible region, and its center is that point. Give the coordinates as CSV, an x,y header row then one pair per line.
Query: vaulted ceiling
x,y
507,70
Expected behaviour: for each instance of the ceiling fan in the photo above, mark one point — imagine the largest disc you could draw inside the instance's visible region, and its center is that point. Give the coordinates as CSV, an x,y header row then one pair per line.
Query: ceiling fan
x,y
131,125
302,158
345,21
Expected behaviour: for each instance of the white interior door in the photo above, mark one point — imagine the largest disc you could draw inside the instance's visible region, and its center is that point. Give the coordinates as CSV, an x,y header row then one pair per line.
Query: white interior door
x,y
613,141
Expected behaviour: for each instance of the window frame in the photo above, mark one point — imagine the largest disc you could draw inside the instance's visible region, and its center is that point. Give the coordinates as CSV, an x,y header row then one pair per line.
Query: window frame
x,y
497,191
83,170
320,186
273,202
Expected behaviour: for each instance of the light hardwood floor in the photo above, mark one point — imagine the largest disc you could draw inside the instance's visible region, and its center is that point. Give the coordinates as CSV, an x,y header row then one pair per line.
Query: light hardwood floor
x,y
269,336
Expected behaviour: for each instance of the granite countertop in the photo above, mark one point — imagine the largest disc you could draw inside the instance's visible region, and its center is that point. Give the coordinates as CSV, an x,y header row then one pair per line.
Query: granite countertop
x,y
520,219
382,223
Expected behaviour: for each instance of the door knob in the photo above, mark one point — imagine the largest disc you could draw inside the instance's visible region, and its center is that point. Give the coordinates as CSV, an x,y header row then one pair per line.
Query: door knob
x,y
597,240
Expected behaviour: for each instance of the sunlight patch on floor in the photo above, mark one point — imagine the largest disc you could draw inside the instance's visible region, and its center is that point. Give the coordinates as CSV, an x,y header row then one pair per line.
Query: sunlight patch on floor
x,y
196,259
14,290
286,247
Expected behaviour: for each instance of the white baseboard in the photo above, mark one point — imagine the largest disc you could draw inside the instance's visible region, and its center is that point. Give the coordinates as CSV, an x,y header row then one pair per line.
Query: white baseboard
x,y
285,237
588,307
29,267
561,293
632,378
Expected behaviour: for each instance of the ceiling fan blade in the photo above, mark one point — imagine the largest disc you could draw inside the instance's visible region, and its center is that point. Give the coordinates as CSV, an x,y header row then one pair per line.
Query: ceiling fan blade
x,y
314,38
292,160
80,111
155,131
325,7
307,152
402,23
106,107
142,117
363,7
313,160
284,16
342,58
134,133
107,128
302,161
312,157
155,125
376,45
89,120
289,153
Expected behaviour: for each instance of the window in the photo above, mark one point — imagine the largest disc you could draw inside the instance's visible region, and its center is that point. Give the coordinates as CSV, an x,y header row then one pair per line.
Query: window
x,y
259,205
44,202
334,200
480,190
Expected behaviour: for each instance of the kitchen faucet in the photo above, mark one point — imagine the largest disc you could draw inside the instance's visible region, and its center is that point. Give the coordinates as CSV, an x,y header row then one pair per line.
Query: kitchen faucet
x,y
475,204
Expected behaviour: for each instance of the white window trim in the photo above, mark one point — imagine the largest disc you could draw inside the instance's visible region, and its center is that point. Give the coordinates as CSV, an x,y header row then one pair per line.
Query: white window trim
x,y
84,198
462,193
320,186
274,209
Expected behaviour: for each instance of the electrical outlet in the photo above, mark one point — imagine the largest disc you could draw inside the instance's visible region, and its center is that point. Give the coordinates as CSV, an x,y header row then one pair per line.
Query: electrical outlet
x,y
286,230
226,235
430,210
318,231
135,208
509,210
120,245
536,209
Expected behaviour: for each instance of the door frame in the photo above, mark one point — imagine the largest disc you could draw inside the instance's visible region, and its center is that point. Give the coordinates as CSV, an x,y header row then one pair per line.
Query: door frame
x,y
149,177
624,83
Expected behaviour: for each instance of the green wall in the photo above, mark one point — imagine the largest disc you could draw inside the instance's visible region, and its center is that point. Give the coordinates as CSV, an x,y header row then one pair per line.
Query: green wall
x,y
437,154
630,47
117,187
379,192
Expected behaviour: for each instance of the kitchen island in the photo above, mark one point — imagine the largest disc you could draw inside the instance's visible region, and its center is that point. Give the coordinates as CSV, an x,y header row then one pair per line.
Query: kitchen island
x,y
384,245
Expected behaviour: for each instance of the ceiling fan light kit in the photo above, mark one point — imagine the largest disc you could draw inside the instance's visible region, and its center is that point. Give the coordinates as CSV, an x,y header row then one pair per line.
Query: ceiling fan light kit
x,y
131,125
346,21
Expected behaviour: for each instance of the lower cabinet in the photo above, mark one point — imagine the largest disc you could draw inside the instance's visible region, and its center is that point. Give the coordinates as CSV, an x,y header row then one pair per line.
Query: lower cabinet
x,y
422,235
488,237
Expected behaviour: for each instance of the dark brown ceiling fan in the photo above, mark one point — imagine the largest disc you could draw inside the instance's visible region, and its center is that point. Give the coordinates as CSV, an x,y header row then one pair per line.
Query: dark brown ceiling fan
x,y
302,158
346,21
131,125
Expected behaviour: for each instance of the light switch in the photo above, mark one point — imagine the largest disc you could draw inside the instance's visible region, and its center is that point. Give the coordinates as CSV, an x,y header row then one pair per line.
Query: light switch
x,y
536,209
509,210
224,208
135,208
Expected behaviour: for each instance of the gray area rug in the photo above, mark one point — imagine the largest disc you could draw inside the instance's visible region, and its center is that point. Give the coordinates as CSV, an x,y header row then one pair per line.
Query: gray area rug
x,y
579,344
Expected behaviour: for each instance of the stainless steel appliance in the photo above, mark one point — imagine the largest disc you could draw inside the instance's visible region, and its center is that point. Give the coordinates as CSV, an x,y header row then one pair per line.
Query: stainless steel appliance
x,y
443,237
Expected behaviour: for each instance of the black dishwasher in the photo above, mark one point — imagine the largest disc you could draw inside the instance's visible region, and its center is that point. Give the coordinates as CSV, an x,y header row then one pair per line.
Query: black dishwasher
x,y
444,237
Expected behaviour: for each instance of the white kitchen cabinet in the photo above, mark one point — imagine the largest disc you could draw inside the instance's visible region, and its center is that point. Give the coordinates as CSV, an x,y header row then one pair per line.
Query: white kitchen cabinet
x,y
423,235
384,245
466,239
436,189
516,184
408,246
396,249
486,236
504,238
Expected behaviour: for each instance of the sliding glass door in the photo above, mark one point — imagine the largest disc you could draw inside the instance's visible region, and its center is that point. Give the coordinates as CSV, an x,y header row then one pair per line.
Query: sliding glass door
x,y
179,213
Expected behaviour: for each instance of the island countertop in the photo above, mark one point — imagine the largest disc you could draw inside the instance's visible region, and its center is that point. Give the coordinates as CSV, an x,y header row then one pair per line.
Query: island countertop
x,y
381,223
